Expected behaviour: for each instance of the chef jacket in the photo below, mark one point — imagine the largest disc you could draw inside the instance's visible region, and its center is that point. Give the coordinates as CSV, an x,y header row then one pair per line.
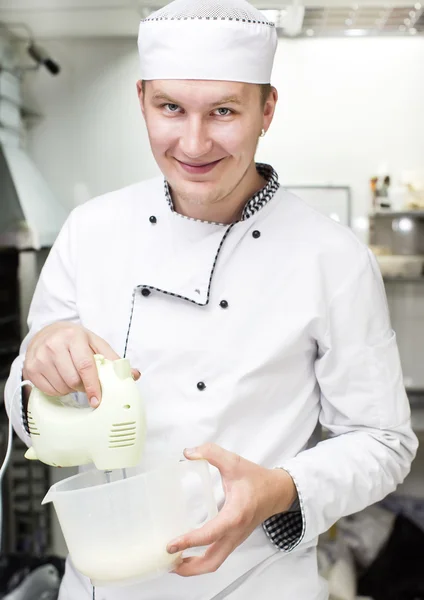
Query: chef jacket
x,y
247,335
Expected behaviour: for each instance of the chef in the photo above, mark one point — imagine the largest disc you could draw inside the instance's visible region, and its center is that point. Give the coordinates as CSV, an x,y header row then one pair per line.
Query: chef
x,y
251,317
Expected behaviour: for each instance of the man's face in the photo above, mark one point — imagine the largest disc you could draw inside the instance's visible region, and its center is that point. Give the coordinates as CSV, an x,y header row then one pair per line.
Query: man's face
x,y
204,134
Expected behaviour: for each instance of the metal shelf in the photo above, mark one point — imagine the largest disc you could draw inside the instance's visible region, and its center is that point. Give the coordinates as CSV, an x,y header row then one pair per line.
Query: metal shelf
x,y
398,213
416,397
403,279
9,319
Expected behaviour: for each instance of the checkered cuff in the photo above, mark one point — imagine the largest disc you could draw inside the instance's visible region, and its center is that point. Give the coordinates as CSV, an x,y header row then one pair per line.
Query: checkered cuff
x,y
287,529
284,530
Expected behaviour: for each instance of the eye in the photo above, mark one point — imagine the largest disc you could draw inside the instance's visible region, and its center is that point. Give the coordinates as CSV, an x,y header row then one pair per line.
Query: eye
x,y
171,107
224,112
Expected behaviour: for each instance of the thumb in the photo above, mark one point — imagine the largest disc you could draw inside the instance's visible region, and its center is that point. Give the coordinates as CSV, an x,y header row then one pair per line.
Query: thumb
x,y
217,456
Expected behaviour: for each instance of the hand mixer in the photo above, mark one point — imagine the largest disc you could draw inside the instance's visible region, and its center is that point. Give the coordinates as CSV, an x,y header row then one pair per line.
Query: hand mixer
x,y
111,436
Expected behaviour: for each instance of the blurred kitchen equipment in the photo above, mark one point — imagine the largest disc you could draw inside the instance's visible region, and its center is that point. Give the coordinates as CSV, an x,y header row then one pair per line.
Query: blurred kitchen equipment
x,y
380,192
31,218
27,524
36,52
41,584
31,215
26,577
398,266
397,240
42,58
112,436
117,530
402,232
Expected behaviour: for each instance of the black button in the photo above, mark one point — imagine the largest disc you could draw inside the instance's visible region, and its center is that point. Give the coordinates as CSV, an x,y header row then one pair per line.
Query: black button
x,y
145,292
223,304
256,234
201,386
153,220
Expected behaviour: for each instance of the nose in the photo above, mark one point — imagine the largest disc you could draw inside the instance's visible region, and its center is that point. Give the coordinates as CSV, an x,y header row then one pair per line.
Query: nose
x,y
195,141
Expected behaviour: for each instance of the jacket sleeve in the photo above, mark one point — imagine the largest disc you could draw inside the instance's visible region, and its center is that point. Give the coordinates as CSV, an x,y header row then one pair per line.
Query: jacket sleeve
x,y
364,408
54,300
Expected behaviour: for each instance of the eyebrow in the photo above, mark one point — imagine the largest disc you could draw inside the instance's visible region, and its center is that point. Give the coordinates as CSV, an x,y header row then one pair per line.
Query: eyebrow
x,y
227,100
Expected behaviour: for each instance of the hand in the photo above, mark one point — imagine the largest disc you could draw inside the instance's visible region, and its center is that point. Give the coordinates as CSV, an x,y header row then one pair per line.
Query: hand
x,y
60,360
252,495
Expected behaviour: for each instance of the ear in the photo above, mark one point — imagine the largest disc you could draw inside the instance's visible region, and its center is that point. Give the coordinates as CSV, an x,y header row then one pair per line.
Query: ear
x,y
269,108
140,95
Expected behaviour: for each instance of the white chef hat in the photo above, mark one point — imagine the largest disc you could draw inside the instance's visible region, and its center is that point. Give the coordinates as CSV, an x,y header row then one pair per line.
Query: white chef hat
x,y
207,39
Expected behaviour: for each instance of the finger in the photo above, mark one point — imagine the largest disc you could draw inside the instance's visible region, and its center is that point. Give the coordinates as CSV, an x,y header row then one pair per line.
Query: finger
x,y
43,384
56,381
206,535
100,346
210,562
135,374
85,365
36,372
67,371
218,457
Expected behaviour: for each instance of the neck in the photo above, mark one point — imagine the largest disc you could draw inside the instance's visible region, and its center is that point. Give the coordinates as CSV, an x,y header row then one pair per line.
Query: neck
x,y
227,209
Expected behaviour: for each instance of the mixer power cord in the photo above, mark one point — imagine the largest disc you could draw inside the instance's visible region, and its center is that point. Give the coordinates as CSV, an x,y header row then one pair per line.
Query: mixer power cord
x,y
8,451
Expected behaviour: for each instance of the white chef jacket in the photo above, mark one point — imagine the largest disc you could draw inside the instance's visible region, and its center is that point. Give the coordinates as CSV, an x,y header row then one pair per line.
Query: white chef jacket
x,y
247,335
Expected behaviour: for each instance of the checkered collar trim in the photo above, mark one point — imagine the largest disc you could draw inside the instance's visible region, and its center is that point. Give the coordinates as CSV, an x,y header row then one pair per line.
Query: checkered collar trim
x,y
255,203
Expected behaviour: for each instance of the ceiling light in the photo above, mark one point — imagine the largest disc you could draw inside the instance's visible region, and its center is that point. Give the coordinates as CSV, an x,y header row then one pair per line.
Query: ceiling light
x,y
412,31
348,22
417,6
412,14
407,21
361,223
309,32
404,224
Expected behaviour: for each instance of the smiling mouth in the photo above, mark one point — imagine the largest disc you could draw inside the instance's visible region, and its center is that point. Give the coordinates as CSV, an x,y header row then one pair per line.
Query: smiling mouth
x,y
198,168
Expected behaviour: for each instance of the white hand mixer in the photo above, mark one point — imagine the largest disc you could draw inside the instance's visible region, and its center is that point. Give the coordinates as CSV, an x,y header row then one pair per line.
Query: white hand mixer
x,y
111,436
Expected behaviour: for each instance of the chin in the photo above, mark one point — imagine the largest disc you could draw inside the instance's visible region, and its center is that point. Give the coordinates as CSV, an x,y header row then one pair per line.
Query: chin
x,y
191,183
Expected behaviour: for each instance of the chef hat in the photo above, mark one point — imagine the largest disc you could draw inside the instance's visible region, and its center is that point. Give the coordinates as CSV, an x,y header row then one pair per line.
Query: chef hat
x,y
207,39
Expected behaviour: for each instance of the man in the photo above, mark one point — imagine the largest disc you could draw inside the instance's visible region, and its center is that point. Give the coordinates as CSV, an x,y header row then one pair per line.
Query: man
x,y
249,315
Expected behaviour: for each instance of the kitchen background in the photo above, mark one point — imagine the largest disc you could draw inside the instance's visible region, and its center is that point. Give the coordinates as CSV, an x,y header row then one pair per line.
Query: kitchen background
x,y
349,77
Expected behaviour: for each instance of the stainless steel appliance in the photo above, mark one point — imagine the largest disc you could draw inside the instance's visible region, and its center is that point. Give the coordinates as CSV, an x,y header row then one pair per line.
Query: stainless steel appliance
x,y
402,233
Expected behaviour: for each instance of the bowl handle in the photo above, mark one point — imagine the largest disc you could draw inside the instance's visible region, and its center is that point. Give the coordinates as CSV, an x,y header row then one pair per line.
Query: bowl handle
x,y
201,468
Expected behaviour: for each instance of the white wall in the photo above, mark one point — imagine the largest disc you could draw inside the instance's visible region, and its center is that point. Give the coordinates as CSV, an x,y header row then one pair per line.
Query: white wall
x,y
346,106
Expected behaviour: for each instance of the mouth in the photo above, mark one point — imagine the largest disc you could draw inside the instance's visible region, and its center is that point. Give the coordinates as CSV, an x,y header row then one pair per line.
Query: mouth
x,y
198,169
